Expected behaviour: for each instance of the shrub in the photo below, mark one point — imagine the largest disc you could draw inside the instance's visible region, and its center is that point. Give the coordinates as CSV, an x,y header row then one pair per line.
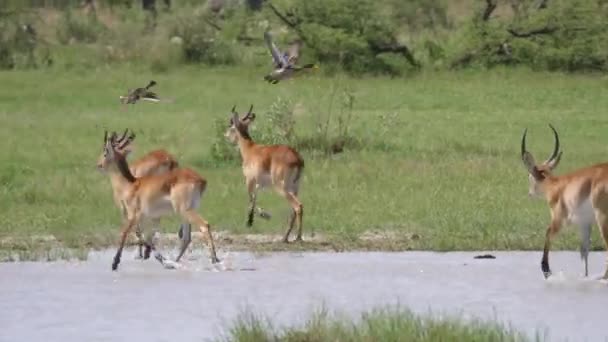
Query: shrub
x,y
222,150
566,35
78,27
351,34
20,46
202,43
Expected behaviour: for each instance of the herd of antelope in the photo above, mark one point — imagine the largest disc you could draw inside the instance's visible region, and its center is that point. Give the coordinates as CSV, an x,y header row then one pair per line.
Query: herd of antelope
x,y
155,186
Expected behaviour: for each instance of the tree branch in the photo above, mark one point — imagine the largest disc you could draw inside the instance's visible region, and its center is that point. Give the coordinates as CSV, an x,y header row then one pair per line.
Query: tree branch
x,y
282,16
287,22
544,30
396,48
212,24
490,7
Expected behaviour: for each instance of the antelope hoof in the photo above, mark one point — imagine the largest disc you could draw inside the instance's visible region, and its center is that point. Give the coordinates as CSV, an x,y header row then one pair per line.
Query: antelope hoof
x,y
299,239
147,252
215,260
249,222
545,268
285,240
160,258
115,263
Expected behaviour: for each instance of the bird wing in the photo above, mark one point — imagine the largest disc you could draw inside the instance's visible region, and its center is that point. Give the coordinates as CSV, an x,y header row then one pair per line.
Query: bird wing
x,y
274,51
293,53
150,96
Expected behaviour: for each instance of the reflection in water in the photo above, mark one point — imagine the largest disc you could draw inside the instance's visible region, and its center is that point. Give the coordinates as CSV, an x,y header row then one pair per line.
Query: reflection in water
x,y
76,301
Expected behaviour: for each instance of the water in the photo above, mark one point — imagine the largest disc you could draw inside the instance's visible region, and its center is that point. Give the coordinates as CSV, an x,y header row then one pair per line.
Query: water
x,y
85,301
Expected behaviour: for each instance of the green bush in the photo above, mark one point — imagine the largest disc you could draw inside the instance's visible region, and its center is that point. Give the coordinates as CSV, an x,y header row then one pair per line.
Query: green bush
x,y
568,35
20,45
222,151
202,43
351,34
78,27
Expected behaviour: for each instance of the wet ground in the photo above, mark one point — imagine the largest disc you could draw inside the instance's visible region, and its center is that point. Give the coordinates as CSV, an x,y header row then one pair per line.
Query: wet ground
x,y
85,301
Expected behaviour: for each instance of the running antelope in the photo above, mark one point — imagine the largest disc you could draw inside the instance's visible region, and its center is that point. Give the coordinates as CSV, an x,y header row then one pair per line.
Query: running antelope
x,y
155,162
152,197
279,166
579,197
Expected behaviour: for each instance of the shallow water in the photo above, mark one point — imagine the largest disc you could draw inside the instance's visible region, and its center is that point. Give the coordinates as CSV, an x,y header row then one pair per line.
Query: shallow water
x,y
85,301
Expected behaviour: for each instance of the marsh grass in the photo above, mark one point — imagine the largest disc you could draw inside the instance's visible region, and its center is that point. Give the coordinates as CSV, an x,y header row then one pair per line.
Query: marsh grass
x,y
437,154
387,324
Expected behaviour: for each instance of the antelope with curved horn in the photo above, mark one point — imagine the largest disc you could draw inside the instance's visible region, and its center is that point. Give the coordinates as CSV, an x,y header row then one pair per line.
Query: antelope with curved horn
x,y
152,197
279,166
579,197
155,162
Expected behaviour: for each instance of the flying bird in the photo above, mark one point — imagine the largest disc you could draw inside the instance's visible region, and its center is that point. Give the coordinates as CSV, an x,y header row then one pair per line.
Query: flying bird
x,y
140,94
284,62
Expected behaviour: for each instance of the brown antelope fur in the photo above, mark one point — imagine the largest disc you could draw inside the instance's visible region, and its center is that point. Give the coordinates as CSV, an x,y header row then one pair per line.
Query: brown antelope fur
x,y
155,162
279,166
155,196
579,197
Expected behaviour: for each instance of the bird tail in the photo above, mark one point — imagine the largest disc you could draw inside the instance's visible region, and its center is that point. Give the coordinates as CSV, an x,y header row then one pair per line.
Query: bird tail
x,y
151,84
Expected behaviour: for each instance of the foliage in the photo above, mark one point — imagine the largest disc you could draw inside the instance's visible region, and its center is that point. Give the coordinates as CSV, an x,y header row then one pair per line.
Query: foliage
x,y
202,42
387,324
221,150
566,35
77,27
347,34
20,45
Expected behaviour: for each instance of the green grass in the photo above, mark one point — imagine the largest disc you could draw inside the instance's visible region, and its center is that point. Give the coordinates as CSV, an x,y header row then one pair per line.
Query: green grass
x,y
390,325
439,154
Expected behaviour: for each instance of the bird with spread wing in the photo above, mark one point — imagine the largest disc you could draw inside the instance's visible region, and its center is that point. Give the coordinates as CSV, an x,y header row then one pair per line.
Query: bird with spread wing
x,y
284,63
140,94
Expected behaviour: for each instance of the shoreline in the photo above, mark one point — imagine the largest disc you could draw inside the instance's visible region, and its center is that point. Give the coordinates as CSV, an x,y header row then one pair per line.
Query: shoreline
x,y
49,248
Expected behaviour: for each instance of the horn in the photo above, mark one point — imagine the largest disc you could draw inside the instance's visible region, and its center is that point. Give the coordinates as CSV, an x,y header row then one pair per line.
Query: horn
x,y
124,135
128,140
523,144
556,147
233,109
249,113
105,136
113,138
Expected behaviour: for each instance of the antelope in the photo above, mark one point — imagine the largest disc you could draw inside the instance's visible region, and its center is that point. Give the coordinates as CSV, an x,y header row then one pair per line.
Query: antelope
x,y
155,162
155,196
579,197
279,166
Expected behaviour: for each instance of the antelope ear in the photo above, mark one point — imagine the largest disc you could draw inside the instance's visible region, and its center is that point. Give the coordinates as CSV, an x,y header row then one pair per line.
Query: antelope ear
x,y
235,119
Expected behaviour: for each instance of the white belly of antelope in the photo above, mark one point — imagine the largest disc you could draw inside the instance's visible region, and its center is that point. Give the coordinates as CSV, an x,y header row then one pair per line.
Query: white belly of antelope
x,y
583,215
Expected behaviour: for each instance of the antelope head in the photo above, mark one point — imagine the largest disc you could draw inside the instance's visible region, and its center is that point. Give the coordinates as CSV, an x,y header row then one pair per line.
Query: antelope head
x,y
538,173
113,146
239,127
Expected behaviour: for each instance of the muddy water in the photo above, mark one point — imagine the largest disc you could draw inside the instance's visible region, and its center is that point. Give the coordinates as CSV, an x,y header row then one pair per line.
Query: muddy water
x,y
85,301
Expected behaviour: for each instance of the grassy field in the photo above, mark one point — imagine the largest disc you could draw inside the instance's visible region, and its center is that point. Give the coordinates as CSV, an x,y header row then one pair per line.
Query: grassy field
x,y
378,325
437,160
